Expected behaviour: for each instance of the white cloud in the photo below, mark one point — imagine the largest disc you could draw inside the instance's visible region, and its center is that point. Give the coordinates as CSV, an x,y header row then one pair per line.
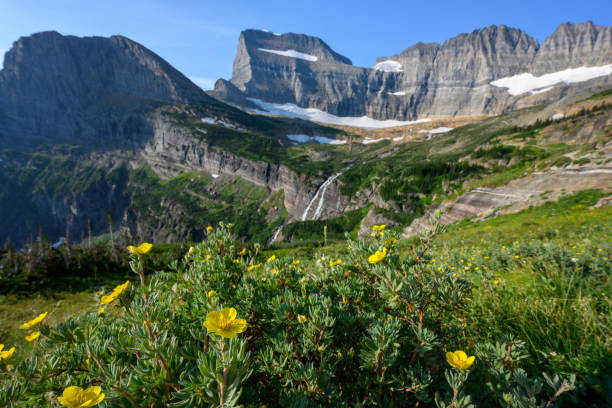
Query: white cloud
x,y
204,83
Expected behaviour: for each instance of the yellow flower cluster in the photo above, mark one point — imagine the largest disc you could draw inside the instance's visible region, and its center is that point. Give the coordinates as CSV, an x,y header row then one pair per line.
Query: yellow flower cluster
x,y
377,256
301,318
77,397
113,295
250,268
32,336
34,321
379,227
335,263
141,249
7,353
270,259
224,322
459,359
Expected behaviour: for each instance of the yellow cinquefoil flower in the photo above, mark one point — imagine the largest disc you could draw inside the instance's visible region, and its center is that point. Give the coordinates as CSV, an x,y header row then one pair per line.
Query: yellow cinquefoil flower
x,y
76,397
141,249
209,228
191,250
7,353
34,321
377,256
250,268
224,322
459,359
379,227
295,262
101,310
390,241
301,318
211,293
114,294
270,259
243,252
335,263
33,336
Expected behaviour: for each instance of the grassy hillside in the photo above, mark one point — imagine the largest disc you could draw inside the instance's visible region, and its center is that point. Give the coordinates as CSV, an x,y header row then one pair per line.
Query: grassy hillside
x,y
527,294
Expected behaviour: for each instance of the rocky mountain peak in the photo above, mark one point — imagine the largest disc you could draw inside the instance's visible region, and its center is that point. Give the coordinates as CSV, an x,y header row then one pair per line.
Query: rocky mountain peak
x,y
574,45
54,88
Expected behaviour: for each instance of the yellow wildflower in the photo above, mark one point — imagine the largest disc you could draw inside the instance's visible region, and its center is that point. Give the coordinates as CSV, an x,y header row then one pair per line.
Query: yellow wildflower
x,y
381,233
335,263
236,261
459,359
34,321
243,251
379,227
250,268
224,323
76,397
208,257
295,262
496,282
274,271
101,310
516,256
377,256
6,354
211,293
141,249
114,294
456,275
209,228
270,259
301,318
33,336
191,250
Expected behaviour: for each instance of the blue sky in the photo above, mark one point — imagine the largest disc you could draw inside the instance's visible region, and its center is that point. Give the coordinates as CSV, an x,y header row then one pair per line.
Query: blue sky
x,y
200,37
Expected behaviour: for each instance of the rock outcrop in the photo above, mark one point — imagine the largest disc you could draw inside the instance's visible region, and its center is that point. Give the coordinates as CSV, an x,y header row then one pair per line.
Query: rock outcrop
x,y
58,89
173,149
424,80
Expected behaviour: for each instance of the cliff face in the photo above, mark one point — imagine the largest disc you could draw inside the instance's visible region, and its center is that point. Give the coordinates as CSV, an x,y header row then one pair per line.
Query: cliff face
x,y
58,89
425,79
173,149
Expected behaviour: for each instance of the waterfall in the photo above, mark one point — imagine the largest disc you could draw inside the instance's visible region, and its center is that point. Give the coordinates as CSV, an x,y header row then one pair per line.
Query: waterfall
x,y
278,230
320,194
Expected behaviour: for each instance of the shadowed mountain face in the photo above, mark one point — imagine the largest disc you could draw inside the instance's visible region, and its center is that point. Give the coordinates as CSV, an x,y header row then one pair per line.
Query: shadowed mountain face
x,y
426,79
66,89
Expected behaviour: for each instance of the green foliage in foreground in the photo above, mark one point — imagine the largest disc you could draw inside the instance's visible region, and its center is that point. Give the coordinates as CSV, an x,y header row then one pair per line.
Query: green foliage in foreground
x,y
352,334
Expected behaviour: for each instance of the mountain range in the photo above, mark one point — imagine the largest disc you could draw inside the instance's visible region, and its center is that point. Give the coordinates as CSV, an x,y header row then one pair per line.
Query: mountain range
x,y
425,80
101,134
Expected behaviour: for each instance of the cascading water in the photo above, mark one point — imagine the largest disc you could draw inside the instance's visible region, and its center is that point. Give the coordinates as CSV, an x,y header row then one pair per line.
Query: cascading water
x,y
278,230
320,195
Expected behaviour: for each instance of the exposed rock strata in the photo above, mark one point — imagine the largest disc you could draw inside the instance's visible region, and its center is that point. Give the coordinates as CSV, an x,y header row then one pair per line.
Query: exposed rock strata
x,y
448,80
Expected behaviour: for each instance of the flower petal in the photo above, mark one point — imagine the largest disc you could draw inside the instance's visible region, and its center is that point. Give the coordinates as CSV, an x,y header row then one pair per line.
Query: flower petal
x,y
228,314
460,355
238,325
470,361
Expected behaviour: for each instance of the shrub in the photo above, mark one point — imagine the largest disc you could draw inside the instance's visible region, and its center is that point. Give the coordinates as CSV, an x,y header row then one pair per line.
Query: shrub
x,y
374,329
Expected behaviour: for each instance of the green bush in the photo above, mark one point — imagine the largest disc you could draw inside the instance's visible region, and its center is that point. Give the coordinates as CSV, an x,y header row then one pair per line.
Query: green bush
x,y
374,329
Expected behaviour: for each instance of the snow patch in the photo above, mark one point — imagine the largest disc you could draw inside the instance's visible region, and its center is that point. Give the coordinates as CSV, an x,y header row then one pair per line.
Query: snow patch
x,y
401,93
214,176
270,32
388,66
314,139
436,130
219,122
316,115
526,82
292,54
557,116
397,139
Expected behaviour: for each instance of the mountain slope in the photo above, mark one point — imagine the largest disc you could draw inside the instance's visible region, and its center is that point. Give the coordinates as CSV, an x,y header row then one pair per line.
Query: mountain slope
x,y
452,79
